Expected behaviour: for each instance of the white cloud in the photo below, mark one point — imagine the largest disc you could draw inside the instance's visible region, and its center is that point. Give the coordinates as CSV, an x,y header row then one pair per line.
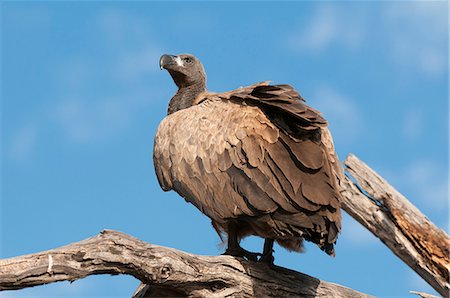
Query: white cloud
x,y
137,63
119,27
330,25
424,182
86,120
355,233
417,35
412,34
341,112
23,142
86,113
429,181
136,46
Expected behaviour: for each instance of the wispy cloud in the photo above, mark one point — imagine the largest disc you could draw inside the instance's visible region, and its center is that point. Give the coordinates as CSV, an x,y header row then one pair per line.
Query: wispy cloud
x,y
330,25
417,35
429,181
86,114
137,63
87,120
120,27
341,111
97,96
355,233
413,34
425,183
132,40
23,142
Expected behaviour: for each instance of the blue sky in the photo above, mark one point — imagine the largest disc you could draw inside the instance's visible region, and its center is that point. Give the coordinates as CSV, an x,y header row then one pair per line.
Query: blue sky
x,y
82,96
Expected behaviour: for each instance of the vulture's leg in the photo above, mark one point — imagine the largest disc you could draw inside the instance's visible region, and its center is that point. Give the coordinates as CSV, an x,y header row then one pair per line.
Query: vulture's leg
x,y
234,249
267,256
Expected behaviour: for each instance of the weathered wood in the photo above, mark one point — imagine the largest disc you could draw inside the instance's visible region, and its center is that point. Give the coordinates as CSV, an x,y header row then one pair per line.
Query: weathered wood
x,y
398,224
422,294
167,271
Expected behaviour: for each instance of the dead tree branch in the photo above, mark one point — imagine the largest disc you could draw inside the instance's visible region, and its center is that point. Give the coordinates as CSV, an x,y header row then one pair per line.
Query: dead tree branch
x,y
169,272
397,223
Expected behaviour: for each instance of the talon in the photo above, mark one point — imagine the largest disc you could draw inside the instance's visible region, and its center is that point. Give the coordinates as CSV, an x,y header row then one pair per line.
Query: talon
x,y
267,259
234,249
252,256
267,255
242,253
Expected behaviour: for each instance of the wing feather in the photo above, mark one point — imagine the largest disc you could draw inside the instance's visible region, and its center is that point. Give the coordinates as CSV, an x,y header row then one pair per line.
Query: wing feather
x,y
285,164
255,153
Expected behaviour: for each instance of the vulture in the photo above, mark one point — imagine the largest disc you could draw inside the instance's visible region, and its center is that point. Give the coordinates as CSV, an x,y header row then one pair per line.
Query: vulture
x,y
256,160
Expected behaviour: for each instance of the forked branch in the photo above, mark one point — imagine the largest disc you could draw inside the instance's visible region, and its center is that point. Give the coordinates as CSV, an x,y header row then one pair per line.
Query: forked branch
x,y
167,271
399,224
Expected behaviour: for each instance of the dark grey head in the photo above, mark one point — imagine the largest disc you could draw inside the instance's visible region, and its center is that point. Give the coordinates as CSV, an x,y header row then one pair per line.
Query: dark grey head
x,y
185,69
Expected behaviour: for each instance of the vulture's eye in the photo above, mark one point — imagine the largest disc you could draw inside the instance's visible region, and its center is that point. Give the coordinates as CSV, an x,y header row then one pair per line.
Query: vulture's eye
x,y
187,60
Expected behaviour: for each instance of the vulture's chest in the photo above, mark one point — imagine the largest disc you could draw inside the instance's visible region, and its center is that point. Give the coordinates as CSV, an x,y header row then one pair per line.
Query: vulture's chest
x,y
231,161
199,141
207,130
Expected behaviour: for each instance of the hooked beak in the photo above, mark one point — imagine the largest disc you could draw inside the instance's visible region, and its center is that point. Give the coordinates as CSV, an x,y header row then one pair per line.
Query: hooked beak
x,y
167,60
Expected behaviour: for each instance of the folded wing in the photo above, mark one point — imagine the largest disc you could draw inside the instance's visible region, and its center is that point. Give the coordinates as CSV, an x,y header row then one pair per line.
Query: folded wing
x,y
259,154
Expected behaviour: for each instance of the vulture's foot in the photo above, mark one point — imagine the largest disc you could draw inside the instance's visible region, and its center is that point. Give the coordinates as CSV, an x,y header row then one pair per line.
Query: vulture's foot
x,y
267,255
242,253
234,249
267,259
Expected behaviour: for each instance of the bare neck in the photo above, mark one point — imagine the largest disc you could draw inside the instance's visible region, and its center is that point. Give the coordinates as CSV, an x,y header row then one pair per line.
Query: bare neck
x,y
185,96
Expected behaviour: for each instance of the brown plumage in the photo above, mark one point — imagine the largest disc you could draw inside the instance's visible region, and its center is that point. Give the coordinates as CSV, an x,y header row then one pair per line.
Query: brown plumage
x,y
256,160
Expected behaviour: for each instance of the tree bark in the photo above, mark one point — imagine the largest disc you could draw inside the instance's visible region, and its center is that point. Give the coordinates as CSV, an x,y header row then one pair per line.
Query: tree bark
x,y
169,272
166,271
397,223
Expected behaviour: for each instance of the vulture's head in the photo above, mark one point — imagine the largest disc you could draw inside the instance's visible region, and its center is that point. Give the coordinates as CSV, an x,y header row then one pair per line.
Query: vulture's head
x,y
185,69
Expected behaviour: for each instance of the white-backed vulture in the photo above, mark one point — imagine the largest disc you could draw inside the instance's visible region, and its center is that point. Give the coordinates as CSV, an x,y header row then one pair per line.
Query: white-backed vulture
x,y
256,160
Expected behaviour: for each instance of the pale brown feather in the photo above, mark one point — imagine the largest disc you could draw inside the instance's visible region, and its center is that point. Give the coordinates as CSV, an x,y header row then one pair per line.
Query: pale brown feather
x,y
258,155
